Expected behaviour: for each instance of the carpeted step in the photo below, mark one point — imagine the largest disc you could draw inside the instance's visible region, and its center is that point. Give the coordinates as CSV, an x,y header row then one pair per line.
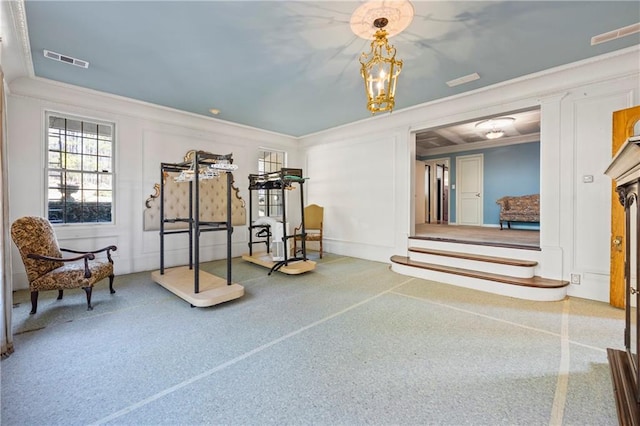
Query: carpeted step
x,y
535,281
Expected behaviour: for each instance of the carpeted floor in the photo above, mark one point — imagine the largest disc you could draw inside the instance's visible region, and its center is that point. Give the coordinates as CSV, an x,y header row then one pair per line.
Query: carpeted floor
x,y
348,343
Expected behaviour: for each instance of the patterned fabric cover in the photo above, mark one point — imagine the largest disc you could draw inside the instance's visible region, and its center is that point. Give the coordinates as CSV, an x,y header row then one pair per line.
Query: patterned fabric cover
x,y
34,235
524,208
213,203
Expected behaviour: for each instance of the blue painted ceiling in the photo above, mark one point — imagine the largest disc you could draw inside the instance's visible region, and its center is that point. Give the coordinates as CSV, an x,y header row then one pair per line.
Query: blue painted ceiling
x,y
292,67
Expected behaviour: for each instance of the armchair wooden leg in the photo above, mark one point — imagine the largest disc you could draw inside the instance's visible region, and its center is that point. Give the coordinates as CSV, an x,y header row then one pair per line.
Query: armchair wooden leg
x,y
88,291
320,249
60,293
34,302
111,284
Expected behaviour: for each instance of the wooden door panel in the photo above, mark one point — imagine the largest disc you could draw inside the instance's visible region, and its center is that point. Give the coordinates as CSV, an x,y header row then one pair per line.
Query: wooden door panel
x,y
623,127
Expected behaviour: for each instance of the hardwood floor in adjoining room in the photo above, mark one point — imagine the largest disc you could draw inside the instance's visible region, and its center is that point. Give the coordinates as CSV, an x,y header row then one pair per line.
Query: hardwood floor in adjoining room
x,y
529,238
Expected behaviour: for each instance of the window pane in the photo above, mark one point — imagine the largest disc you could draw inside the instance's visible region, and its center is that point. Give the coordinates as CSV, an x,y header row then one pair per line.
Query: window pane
x,y
269,201
79,159
104,132
104,164
104,182
73,144
73,162
90,146
104,148
55,141
74,126
55,160
89,181
89,163
89,129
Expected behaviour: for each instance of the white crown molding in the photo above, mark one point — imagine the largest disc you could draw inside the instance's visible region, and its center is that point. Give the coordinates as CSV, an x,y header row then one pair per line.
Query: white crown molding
x,y
19,17
64,94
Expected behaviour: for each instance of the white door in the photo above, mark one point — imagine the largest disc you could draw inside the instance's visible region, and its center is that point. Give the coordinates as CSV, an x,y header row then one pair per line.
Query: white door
x,y
469,194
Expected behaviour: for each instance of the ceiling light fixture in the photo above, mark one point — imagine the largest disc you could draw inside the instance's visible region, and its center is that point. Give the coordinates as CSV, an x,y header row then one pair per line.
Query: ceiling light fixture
x,y
494,134
494,125
377,20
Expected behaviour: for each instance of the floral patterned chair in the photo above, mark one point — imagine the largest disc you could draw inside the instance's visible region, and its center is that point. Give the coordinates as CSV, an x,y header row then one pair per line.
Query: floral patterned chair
x,y
48,270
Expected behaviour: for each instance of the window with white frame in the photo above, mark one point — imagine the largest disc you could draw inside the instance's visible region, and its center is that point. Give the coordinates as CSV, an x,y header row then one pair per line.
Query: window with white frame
x,y
270,202
79,169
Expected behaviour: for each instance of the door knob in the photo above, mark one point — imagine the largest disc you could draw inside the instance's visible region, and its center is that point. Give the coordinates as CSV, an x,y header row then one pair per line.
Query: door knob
x,y
617,243
478,194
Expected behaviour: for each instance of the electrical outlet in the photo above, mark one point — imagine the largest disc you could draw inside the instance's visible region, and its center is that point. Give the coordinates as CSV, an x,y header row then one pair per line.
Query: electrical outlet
x,y
575,278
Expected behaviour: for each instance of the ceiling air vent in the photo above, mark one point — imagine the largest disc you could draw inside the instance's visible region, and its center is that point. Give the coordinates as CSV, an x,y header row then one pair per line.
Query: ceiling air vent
x,y
615,34
66,59
463,80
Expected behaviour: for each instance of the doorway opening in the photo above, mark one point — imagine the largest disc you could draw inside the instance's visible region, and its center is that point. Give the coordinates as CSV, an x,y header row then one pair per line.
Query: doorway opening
x,y
448,192
436,191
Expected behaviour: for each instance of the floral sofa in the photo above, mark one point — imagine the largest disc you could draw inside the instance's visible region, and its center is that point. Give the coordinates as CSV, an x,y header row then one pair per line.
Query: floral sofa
x,y
523,208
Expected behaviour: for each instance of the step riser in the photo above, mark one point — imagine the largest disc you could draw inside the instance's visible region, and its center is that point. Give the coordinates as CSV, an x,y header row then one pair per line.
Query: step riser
x,y
532,255
520,292
475,265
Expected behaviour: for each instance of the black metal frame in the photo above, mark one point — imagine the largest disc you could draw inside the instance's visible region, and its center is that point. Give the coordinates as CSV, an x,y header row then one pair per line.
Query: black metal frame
x,y
280,181
196,227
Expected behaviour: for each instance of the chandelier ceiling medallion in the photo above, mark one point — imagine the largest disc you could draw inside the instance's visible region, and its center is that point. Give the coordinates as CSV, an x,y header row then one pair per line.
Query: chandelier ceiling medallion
x,y
377,20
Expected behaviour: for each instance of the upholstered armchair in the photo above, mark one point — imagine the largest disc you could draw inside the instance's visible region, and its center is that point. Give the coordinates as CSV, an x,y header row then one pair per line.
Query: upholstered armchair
x,y
313,221
48,270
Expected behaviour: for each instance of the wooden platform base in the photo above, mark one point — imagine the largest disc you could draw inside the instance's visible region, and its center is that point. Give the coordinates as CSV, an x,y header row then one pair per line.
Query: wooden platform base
x,y
293,268
213,289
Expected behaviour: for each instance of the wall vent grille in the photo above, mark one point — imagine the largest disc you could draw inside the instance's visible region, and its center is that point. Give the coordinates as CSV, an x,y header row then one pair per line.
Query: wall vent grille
x,y
463,80
615,34
66,59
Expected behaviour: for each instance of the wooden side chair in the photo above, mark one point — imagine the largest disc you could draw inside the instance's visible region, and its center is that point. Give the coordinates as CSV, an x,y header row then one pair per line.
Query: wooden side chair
x,y
48,270
313,222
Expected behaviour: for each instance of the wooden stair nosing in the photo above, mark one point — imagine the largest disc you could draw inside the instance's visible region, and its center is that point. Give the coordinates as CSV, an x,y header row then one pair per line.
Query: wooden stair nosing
x,y
478,243
535,281
478,257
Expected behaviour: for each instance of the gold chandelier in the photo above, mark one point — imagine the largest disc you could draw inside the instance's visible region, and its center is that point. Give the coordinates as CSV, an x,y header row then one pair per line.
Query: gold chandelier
x,y
380,68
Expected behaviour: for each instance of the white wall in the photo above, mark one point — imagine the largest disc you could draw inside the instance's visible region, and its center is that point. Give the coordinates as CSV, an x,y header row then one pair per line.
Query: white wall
x,y
145,136
365,171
